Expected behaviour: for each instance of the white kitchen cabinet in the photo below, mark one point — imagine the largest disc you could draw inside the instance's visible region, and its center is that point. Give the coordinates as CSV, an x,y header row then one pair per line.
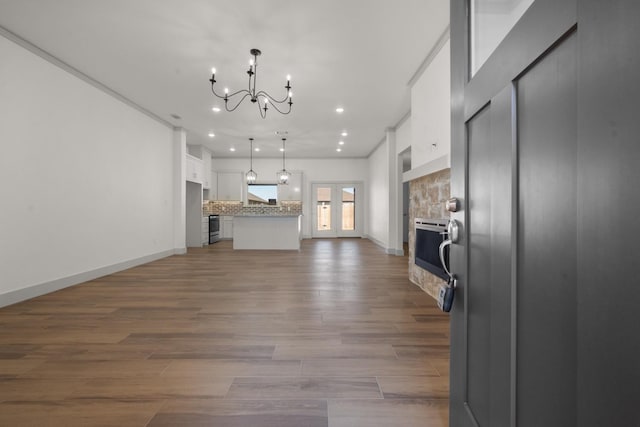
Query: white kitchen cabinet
x,y
230,185
213,190
205,230
292,190
226,227
206,169
194,169
202,154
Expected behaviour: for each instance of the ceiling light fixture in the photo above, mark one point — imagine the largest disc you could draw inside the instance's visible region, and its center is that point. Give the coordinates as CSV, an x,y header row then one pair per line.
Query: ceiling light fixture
x,y
344,133
211,134
339,110
251,175
341,143
232,149
261,97
283,175
338,149
216,109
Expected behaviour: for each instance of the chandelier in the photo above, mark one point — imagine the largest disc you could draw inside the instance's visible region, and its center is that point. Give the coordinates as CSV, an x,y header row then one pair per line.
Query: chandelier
x,y
251,175
283,175
261,98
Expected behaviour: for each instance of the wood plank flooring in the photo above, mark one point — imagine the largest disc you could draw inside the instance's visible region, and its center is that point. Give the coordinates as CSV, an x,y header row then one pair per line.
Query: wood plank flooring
x,y
332,335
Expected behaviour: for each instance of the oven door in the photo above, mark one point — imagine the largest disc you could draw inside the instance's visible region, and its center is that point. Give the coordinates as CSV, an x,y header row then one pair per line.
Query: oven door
x,y
214,228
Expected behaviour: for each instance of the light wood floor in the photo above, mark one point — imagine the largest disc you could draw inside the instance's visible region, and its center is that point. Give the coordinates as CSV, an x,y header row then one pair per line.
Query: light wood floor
x,y
332,335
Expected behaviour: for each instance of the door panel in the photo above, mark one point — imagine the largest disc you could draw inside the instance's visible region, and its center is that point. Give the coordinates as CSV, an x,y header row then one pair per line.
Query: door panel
x,y
489,245
323,218
547,155
514,149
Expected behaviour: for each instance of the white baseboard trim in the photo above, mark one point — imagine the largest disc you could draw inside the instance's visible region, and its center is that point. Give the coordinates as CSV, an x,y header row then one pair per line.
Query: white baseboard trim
x,y
389,251
18,295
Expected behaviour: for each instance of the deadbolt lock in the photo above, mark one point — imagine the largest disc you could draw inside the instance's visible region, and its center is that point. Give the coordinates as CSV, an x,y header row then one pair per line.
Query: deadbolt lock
x,y
453,204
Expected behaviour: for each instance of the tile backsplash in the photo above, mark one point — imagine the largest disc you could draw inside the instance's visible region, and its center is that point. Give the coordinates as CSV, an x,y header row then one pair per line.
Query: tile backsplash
x,y
220,207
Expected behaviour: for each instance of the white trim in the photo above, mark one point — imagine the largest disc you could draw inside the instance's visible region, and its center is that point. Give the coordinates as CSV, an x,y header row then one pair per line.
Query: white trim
x,y
403,119
387,250
436,165
79,74
444,38
18,295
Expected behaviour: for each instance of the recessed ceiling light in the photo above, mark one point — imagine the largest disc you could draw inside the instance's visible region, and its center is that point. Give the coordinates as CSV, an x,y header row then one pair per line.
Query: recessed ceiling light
x,y
341,142
344,133
281,149
211,134
339,110
256,149
232,149
216,109
338,149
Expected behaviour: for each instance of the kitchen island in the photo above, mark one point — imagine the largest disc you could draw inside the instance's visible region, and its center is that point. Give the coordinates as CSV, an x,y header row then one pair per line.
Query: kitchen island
x,y
267,232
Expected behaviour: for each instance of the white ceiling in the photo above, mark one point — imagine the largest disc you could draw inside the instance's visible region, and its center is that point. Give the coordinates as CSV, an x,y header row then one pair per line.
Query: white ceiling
x,y
359,54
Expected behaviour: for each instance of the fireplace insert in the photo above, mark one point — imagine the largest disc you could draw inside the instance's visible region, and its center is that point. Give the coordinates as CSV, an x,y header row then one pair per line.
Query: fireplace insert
x,y
429,234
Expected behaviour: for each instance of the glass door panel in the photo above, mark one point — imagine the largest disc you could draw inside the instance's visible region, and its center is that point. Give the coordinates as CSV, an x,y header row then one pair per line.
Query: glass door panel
x,y
323,209
348,207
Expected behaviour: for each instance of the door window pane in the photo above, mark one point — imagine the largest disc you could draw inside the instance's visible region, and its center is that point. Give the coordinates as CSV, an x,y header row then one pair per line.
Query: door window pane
x,y
348,208
323,208
491,20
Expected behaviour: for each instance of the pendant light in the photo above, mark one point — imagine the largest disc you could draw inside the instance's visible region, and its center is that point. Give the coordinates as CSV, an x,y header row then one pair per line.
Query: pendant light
x,y
283,175
251,175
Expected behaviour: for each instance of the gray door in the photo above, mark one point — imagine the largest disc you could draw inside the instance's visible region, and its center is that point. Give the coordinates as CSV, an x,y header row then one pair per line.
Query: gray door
x,y
514,165
545,161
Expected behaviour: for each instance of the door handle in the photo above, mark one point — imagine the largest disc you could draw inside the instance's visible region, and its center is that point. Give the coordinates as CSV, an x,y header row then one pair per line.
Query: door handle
x,y
446,293
453,232
443,245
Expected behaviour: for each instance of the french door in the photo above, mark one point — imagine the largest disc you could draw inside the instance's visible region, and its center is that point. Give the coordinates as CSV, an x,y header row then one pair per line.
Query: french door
x,y
337,210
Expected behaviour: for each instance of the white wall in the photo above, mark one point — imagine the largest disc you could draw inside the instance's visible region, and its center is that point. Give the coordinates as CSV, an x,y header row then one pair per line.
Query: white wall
x,y
404,135
378,225
86,182
313,170
431,112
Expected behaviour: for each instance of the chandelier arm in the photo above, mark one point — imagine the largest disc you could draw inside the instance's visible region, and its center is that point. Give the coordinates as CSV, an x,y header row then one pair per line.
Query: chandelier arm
x,y
273,100
274,105
226,107
261,110
237,92
214,92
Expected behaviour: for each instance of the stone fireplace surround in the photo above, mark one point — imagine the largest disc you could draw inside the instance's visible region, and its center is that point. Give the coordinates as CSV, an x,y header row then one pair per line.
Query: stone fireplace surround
x,y
427,197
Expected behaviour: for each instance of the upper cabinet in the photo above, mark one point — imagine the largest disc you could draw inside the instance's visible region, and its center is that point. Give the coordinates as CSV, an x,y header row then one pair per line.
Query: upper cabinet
x,y
202,155
206,169
293,190
230,186
213,191
194,172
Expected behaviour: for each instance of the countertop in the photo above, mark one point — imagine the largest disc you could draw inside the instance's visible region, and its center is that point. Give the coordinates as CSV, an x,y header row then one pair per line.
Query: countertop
x,y
266,216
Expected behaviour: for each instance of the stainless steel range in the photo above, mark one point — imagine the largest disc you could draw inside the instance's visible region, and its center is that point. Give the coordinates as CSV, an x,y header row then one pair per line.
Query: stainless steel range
x,y
214,228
